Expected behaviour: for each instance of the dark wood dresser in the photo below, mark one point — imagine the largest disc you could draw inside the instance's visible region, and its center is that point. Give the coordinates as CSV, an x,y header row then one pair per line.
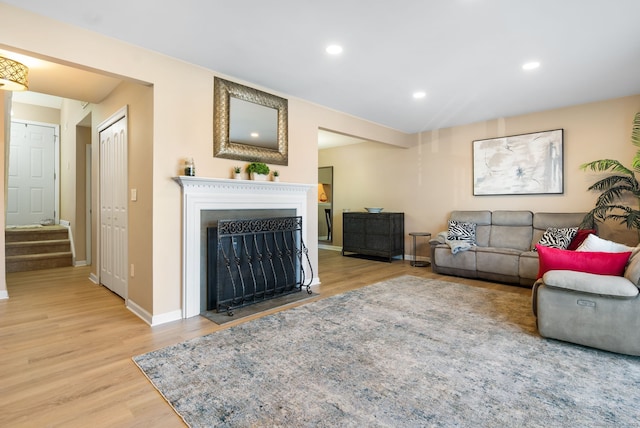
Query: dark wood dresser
x,y
373,234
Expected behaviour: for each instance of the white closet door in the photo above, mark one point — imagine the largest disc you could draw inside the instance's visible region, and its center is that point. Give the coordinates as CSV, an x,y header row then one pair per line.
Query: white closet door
x,y
113,207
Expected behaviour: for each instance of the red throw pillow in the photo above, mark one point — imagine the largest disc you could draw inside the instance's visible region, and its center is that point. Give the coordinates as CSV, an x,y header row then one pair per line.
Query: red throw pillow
x,y
581,235
581,261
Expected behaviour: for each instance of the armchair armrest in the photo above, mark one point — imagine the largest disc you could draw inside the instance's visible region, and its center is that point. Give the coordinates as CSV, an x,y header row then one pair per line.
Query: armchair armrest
x,y
606,285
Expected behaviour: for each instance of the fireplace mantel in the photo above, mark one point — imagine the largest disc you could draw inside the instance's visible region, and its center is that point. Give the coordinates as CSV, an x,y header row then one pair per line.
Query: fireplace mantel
x,y
201,193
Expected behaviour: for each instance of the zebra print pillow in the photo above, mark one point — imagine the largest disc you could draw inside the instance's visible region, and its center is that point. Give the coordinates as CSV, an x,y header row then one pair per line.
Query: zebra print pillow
x,y
461,231
558,237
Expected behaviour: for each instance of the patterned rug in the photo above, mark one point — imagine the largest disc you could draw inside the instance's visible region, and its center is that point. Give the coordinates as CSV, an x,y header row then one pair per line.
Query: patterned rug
x,y
406,352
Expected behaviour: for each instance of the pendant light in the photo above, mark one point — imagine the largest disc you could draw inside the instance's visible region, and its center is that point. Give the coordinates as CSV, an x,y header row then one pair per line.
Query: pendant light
x,y
14,76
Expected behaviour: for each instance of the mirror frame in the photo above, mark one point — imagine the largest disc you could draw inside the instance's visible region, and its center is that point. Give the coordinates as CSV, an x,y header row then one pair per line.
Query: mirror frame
x,y
223,147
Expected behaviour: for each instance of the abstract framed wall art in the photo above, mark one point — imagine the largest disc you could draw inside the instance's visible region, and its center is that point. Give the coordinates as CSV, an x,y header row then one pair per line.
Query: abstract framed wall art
x,y
525,164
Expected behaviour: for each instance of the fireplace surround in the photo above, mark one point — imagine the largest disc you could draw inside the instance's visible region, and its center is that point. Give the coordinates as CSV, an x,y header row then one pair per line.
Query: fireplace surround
x,y
202,194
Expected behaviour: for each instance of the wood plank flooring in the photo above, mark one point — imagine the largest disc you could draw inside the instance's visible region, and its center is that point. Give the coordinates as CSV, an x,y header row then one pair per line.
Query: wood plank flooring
x,y
66,345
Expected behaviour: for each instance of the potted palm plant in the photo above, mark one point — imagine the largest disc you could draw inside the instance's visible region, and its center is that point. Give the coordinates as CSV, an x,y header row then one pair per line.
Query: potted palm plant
x,y
258,171
619,198
237,172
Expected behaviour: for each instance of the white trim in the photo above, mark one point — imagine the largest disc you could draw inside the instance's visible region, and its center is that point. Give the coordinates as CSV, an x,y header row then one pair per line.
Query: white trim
x,y
93,278
139,311
153,320
200,194
67,224
166,317
4,294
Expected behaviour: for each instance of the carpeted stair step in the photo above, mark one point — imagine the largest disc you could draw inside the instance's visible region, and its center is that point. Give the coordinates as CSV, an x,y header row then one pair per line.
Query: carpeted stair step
x,y
35,234
37,247
28,262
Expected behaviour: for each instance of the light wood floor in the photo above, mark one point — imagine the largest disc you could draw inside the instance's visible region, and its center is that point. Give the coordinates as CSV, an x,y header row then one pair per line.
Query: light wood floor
x,y
66,345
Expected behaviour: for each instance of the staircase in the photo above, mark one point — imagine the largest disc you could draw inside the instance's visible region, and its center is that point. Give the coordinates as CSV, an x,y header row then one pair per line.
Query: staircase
x,y
36,248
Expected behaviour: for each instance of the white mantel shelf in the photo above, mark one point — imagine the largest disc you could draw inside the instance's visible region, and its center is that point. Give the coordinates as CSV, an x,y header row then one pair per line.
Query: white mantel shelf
x,y
208,182
203,193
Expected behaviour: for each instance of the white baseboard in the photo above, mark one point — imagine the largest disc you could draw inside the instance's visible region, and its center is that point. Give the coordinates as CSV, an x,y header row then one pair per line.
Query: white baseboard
x,y
166,317
4,294
78,263
93,278
153,320
139,311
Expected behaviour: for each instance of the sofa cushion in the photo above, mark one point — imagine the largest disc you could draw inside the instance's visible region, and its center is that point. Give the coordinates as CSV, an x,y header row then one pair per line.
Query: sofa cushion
x,y
591,262
465,260
503,261
581,235
595,243
461,231
558,237
528,265
617,286
511,229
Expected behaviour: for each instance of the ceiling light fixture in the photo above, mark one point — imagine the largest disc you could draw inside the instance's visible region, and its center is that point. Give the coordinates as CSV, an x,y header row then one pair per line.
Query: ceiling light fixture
x,y
531,65
334,49
419,94
14,76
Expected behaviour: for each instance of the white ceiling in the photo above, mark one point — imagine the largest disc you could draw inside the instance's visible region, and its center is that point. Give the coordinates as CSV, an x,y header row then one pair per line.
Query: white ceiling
x,y
465,54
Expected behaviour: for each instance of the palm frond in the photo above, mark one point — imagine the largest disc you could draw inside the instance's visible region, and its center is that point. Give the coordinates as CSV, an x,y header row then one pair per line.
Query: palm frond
x,y
604,165
635,130
628,183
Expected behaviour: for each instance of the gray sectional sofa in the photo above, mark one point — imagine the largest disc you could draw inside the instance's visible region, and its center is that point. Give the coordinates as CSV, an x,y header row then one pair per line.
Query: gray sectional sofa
x,y
504,243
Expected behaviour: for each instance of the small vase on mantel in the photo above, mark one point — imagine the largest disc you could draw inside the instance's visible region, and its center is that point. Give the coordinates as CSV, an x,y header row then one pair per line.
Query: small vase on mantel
x,y
237,173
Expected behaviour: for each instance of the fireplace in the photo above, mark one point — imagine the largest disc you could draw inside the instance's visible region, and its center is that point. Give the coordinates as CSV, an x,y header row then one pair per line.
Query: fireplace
x,y
201,195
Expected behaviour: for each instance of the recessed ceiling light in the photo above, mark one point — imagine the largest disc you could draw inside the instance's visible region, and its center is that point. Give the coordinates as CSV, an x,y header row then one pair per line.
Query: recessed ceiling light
x,y
419,94
334,49
531,65
255,135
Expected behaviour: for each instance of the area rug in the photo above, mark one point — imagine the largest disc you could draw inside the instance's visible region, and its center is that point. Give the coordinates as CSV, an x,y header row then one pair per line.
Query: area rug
x,y
406,352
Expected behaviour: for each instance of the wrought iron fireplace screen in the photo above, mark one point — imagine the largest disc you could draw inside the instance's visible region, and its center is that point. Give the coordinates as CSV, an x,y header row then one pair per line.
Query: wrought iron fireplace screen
x,y
254,260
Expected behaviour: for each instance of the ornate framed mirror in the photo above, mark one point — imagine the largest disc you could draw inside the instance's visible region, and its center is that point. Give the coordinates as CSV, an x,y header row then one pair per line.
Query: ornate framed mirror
x,y
249,124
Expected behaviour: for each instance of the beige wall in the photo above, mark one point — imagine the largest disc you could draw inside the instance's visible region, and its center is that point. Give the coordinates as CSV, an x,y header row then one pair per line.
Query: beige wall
x,y
139,101
22,111
435,176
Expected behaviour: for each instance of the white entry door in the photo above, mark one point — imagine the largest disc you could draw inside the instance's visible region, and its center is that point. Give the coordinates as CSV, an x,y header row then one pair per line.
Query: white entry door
x,y
30,189
113,204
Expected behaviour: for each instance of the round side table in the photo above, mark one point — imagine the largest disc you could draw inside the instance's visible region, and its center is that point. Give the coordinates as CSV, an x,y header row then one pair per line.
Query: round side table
x,y
415,261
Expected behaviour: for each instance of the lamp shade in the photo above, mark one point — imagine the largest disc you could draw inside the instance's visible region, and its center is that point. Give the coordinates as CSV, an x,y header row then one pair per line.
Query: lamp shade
x,y
14,76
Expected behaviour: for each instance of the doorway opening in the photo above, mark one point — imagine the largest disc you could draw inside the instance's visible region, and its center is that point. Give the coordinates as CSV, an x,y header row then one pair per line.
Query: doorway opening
x,y
325,204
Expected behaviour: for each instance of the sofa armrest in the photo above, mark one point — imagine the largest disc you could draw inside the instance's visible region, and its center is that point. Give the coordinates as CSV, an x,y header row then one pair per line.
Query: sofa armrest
x,y
606,285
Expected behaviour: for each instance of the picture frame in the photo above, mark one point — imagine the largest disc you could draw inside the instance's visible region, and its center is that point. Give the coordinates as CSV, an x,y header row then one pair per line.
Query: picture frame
x,y
524,164
249,124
